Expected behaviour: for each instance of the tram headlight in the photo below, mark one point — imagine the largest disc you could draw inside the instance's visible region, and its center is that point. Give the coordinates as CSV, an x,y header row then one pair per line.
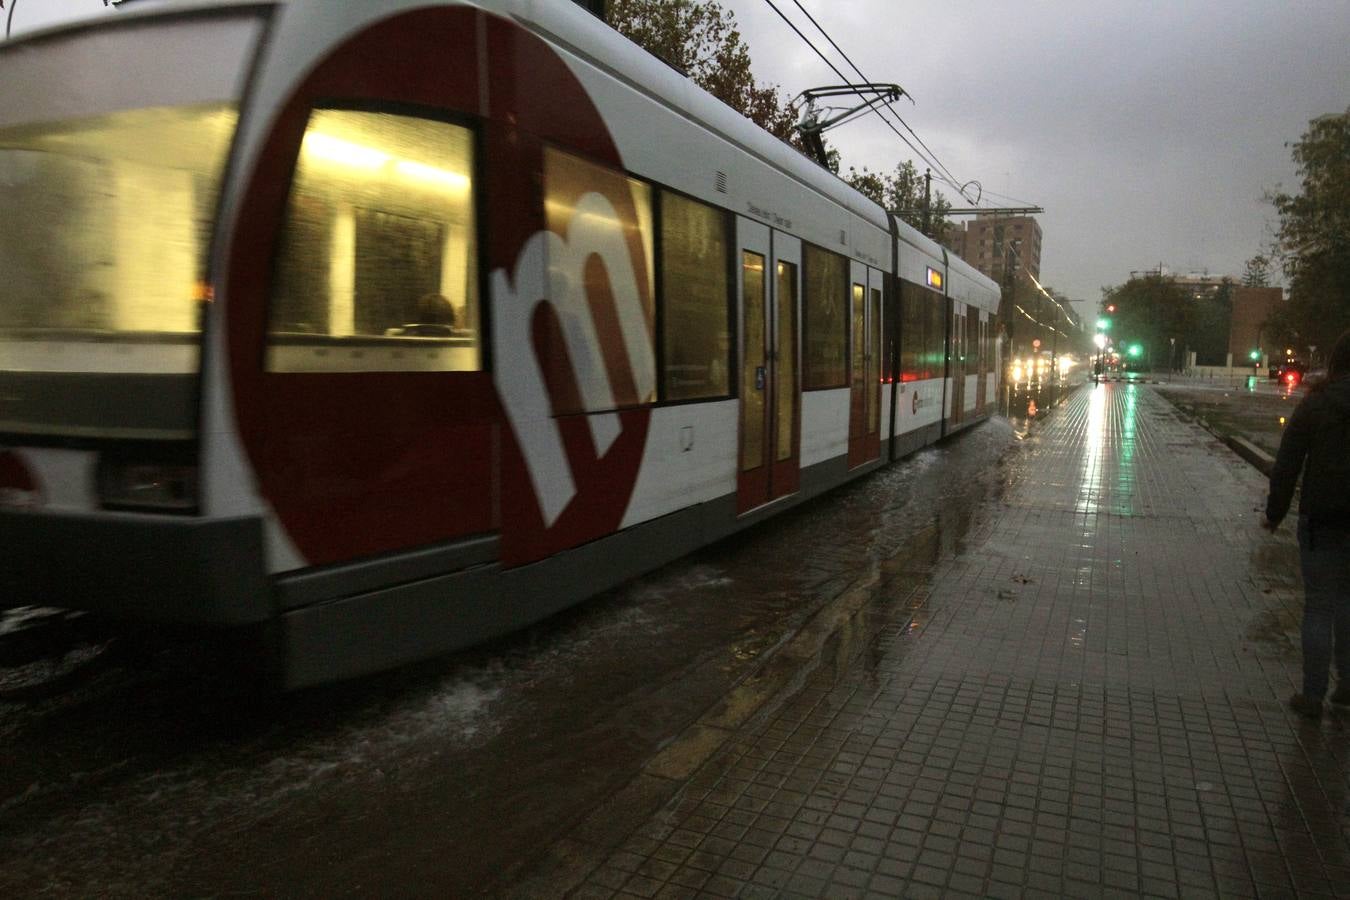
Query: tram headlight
x,y
147,487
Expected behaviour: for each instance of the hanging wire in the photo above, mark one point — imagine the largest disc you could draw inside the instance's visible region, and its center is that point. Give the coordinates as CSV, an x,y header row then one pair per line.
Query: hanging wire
x,y
936,163
943,175
1013,200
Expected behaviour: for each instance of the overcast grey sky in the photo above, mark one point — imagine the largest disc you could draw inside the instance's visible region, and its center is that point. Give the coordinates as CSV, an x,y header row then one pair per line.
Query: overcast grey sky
x,y
1149,132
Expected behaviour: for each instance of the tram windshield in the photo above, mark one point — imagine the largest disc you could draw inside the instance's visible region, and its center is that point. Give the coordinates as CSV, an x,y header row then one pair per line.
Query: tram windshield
x,y
113,140
109,219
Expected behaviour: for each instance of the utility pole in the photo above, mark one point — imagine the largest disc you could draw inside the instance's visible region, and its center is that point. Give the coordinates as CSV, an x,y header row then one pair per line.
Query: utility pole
x,y
927,201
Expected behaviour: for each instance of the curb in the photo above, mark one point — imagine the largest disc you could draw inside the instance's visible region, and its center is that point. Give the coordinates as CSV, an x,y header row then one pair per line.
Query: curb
x,y
1259,459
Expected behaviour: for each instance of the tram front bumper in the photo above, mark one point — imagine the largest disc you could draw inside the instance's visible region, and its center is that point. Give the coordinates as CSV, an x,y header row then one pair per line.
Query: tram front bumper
x,y
141,567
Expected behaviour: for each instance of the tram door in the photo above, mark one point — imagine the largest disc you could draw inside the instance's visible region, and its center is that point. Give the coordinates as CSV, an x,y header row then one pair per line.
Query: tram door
x,y
957,367
769,464
980,329
864,417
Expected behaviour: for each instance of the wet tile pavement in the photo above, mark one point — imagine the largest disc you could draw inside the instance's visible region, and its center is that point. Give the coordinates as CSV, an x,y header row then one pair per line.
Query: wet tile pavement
x,y
1085,699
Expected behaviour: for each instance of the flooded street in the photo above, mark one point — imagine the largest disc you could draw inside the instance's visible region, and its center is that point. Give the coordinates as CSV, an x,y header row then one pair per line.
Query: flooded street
x,y
1088,699
157,778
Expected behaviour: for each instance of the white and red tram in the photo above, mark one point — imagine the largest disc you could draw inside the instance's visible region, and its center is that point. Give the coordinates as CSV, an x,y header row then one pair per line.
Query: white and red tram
x,y
386,327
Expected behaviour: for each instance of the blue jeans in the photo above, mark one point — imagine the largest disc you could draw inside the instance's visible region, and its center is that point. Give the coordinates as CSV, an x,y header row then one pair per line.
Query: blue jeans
x,y
1325,557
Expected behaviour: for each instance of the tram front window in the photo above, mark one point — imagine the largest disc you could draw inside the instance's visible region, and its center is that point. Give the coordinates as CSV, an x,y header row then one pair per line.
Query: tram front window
x,y
108,187
109,223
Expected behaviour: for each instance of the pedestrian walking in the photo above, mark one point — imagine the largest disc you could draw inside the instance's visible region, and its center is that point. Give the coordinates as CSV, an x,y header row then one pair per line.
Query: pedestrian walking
x,y
1316,442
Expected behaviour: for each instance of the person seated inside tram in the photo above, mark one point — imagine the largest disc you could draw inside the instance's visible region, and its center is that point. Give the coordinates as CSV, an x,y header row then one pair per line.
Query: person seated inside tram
x,y
435,317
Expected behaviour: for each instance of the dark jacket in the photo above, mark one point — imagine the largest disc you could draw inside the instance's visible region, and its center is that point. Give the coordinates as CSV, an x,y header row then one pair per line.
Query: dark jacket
x,y
1318,432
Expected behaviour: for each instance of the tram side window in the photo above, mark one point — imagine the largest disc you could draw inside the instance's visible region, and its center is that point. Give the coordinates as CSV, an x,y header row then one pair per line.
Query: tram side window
x,y
825,322
695,305
599,284
913,321
979,344
984,346
890,316
935,333
991,333
972,347
376,263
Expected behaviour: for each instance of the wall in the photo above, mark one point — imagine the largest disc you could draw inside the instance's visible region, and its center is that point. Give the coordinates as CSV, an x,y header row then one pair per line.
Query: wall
x,y
1251,308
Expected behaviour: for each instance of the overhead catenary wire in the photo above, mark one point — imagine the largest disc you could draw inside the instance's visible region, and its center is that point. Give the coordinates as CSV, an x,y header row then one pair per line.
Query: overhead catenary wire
x,y
936,163
1007,198
946,178
930,158
1021,263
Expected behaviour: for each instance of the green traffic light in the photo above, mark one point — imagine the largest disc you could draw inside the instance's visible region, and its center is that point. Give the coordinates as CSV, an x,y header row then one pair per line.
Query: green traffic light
x,y
1103,324
1136,350
1255,354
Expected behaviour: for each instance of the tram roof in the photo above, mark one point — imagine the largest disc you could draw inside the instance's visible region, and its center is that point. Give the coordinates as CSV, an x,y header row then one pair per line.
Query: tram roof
x,y
581,33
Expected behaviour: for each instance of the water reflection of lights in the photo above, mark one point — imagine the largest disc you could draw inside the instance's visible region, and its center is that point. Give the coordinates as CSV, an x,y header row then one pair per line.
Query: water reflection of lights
x,y
1045,369
1090,481
1125,473
1078,633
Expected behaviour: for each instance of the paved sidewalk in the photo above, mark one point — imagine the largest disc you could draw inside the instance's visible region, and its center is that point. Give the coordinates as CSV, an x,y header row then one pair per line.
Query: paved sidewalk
x,y
1085,699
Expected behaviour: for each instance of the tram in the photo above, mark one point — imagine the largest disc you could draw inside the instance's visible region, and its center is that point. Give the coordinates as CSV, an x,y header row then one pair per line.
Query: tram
x,y
383,328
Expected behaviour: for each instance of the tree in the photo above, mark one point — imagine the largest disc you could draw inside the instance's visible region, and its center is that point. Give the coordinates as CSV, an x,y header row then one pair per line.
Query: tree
x,y
1213,322
700,38
1152,311
902,190
1257,272
1313,238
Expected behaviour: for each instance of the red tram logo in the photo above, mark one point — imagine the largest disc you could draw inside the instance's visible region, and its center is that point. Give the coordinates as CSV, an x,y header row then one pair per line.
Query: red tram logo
x,y
565,305
544,449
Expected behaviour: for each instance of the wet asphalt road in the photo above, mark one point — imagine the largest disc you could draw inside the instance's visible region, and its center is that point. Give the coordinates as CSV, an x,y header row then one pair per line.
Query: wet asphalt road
x,y
446,779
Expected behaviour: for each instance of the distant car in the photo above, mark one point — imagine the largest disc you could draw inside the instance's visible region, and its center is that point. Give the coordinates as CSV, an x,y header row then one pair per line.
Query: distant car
x,y
1291,372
